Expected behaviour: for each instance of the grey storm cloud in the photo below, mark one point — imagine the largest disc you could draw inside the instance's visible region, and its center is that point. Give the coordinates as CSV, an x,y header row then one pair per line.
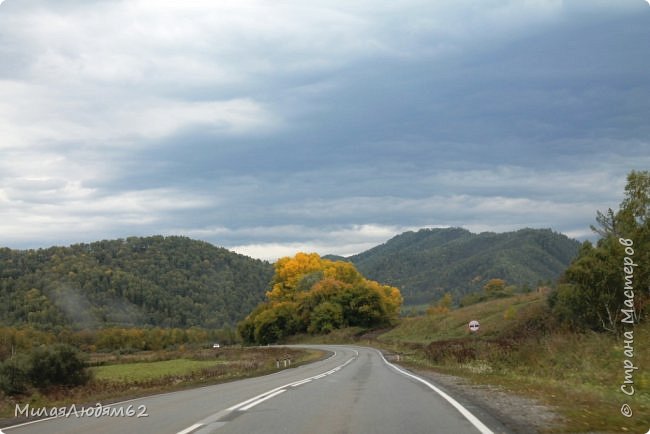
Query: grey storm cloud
x,y
326,126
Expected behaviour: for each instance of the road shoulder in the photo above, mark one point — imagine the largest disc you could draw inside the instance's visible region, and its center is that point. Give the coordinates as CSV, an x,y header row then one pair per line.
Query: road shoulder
x,y
516,413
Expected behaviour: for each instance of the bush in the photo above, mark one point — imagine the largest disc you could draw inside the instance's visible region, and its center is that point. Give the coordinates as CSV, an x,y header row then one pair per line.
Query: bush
x,y
14,375
58,364
326,317
267,330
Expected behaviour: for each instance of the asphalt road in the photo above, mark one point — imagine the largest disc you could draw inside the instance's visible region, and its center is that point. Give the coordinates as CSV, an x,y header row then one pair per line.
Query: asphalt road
x,y
354,391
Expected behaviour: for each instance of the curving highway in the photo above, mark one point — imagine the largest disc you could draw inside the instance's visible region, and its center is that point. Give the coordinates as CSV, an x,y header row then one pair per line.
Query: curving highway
x,y
354,391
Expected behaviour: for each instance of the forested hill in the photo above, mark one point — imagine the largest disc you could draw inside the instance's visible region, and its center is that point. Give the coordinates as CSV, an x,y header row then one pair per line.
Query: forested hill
x,y
427,263
158,281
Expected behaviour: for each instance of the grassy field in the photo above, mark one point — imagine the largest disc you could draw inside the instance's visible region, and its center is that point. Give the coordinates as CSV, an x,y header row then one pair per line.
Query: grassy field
x,y
520,348
118,378
134,372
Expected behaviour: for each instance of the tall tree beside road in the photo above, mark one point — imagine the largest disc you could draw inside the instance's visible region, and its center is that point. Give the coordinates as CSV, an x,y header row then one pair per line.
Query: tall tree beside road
x,y
599,286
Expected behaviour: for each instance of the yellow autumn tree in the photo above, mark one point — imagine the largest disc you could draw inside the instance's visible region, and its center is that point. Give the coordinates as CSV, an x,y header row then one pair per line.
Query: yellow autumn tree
x,y
316,295
290,271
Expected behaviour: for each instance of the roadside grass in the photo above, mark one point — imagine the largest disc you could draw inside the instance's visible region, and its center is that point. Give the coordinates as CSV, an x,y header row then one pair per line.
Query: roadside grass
x,y
519,348
158,372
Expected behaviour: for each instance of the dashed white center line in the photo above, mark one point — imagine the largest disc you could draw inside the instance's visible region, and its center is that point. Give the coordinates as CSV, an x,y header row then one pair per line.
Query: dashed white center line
x,y
190,429
254,403
213,420
299,383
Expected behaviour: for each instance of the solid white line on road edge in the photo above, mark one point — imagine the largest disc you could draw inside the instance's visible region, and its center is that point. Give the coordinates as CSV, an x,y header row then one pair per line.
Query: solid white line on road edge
x,y
113,404
254,403
469,416
30,422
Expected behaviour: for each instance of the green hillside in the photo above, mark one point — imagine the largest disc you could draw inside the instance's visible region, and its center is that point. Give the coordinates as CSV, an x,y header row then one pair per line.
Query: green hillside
x,y
157,281
427,263
497,318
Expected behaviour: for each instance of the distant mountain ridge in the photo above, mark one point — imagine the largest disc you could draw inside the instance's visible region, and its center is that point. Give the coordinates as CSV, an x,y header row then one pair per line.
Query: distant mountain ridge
x,y
179,282
151,281
427,263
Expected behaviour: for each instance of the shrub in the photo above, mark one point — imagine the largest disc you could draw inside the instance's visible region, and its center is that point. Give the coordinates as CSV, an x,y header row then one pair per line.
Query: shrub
x,y
59,364
14,375
326,317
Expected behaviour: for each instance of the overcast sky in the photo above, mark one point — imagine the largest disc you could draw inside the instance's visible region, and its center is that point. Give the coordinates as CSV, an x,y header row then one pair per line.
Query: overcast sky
x,y
270,127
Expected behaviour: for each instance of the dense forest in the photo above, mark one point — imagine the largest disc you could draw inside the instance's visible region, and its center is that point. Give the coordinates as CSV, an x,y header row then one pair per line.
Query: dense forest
x,y
431,262
153,281
179,282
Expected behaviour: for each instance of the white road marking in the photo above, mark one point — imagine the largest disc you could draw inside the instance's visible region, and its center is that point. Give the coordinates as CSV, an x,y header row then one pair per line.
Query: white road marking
x,y
114,404
259,401
190,429
193,427
300,383
469,416
30,423
252,402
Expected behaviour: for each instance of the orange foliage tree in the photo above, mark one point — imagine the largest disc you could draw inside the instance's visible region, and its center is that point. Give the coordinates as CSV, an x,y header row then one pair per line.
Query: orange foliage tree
x,y
316,295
